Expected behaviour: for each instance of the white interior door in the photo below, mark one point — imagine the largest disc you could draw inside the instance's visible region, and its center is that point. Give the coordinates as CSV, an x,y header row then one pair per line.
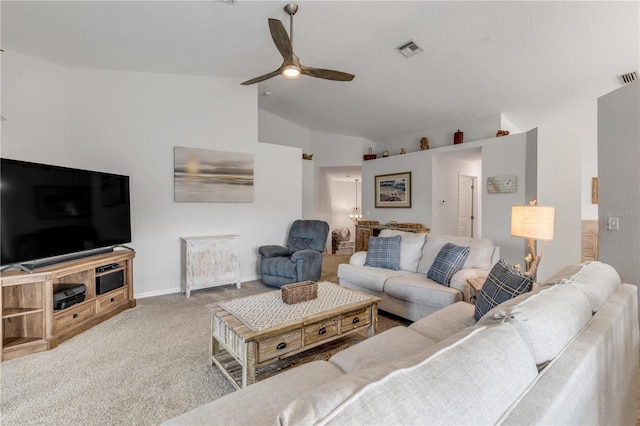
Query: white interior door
x,y
466,205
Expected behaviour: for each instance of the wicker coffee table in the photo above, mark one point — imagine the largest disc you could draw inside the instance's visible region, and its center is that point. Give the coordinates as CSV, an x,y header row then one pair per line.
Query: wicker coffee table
x,y
255,331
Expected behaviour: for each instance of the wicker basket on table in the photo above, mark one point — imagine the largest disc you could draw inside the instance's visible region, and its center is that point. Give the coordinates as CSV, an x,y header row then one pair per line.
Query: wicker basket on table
x,y
299,292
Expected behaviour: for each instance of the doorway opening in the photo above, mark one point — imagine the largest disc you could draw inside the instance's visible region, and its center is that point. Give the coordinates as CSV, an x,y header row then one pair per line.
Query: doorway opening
x,y
467,205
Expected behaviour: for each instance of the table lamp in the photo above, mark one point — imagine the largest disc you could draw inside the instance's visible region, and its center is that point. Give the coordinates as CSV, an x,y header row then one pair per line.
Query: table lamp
x,y
534,223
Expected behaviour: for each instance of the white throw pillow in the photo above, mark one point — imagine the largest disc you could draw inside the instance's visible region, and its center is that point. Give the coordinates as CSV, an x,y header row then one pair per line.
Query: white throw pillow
x,y
480,251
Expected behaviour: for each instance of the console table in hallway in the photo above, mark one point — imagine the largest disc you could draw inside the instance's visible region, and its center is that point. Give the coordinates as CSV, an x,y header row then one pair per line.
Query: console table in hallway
x,y
371,228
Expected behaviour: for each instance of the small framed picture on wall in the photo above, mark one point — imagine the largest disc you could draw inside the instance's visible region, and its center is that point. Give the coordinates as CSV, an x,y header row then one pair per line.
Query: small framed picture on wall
x,y
393,190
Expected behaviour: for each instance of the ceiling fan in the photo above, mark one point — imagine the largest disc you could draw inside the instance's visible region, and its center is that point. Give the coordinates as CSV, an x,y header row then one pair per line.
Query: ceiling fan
x,y
291,67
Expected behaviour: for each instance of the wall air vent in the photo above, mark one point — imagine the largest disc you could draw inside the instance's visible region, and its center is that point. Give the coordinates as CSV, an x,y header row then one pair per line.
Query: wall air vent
x,y
409,49
628,78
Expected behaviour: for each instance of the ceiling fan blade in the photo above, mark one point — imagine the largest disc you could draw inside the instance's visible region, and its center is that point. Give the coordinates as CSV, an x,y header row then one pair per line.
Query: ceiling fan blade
x,y
327,74
280,38
261,78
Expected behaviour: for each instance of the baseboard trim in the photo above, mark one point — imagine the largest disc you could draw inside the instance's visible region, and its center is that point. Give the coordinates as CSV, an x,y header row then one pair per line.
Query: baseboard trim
x,y
179,290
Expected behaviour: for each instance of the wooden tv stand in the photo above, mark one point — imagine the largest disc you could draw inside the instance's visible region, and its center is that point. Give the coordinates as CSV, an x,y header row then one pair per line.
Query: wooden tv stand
x,y
29,322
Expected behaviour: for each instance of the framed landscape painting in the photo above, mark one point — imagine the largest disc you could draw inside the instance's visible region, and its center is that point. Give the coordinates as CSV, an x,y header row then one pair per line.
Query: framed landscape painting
x,y
203,175
393,190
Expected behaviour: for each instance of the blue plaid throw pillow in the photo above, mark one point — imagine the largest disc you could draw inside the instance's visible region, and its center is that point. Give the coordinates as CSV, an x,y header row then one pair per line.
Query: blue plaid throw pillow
x,y
384,252
503,283
449,260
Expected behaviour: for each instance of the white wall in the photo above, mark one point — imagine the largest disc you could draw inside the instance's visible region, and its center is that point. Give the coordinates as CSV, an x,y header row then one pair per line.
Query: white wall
x,y
442,135
445,178
618,165
562,134
277,130
506,155
589,148
128,123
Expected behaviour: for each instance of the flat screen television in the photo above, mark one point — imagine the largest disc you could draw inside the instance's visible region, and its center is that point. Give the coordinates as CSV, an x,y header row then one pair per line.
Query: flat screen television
x,y
50,211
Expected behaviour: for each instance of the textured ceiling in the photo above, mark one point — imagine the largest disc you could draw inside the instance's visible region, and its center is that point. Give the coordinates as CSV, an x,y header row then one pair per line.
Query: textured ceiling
x,y
480,58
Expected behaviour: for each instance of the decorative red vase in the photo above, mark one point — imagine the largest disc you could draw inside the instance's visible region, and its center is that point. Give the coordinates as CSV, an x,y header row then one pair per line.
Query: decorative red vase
x,y
457,137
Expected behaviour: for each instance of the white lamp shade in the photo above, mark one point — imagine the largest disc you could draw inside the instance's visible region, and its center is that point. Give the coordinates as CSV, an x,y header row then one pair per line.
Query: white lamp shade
x,y
534,222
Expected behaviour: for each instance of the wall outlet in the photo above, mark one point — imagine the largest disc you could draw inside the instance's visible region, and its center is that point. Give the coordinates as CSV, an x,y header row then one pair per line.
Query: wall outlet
x,y
611,224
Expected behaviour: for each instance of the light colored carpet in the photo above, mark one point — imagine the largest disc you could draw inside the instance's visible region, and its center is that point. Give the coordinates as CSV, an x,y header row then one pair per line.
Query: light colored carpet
x,y
141,367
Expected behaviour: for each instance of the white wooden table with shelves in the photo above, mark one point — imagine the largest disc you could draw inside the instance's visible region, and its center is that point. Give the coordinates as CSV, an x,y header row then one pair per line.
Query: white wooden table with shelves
x,y
209,261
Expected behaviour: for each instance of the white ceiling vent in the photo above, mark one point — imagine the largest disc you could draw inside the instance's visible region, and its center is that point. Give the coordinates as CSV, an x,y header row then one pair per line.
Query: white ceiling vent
x,y
409,49
628,78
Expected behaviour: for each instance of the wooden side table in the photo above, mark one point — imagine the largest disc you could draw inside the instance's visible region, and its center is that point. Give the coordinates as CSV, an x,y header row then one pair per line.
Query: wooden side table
x,y
476,285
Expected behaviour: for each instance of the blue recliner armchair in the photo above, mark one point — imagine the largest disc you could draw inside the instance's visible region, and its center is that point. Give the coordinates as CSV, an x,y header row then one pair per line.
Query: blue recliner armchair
x,y
300,260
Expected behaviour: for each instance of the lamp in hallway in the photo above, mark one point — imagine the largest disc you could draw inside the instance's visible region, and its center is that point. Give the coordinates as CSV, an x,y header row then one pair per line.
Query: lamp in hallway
x,y
356,215
534,223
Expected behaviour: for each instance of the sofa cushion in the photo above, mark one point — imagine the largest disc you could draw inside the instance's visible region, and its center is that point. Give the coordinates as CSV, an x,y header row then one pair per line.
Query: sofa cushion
x,y
417,288
411,244
265,404
368,276
480,251
460,383
446,322
392,344
547,320
449,260
564,273
503,283
598,281
384,252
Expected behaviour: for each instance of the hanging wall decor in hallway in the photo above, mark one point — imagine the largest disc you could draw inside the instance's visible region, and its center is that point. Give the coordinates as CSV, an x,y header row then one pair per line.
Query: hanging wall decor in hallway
x,y
203,175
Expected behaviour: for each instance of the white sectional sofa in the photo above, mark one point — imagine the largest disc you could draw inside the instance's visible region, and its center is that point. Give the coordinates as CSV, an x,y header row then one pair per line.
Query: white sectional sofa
x,y
408,292
566,353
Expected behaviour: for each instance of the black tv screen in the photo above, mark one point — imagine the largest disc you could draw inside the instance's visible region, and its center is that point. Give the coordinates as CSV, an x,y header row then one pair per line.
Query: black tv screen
x,y
50,211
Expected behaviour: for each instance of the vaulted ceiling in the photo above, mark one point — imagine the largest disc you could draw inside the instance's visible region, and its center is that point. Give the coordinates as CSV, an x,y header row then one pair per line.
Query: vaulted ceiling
x,y
480,58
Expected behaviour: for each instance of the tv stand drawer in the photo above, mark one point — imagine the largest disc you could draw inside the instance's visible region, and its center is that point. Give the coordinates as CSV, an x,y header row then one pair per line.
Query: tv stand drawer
x,y
72,316
111,300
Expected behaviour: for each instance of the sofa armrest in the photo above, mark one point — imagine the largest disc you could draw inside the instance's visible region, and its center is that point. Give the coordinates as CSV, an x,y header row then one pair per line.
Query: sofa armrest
x,y
358,258
459,279
273,251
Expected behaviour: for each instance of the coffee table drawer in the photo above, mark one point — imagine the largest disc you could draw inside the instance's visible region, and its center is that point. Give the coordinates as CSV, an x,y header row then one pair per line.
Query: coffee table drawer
x,y
320,331
356,319
277,346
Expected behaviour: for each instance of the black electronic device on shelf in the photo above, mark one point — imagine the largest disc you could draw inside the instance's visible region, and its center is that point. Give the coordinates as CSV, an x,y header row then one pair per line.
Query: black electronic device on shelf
x,y
66,295
107,282
105,268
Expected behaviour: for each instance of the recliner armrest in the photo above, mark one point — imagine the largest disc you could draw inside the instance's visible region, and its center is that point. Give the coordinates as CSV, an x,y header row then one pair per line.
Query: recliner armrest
x,y
273,251
305,255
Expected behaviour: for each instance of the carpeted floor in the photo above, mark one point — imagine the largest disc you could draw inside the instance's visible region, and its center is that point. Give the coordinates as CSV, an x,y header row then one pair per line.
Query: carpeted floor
x,y
141,367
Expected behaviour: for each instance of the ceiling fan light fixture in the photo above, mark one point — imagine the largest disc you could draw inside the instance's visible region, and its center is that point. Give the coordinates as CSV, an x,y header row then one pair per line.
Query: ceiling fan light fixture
x,y
290,71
